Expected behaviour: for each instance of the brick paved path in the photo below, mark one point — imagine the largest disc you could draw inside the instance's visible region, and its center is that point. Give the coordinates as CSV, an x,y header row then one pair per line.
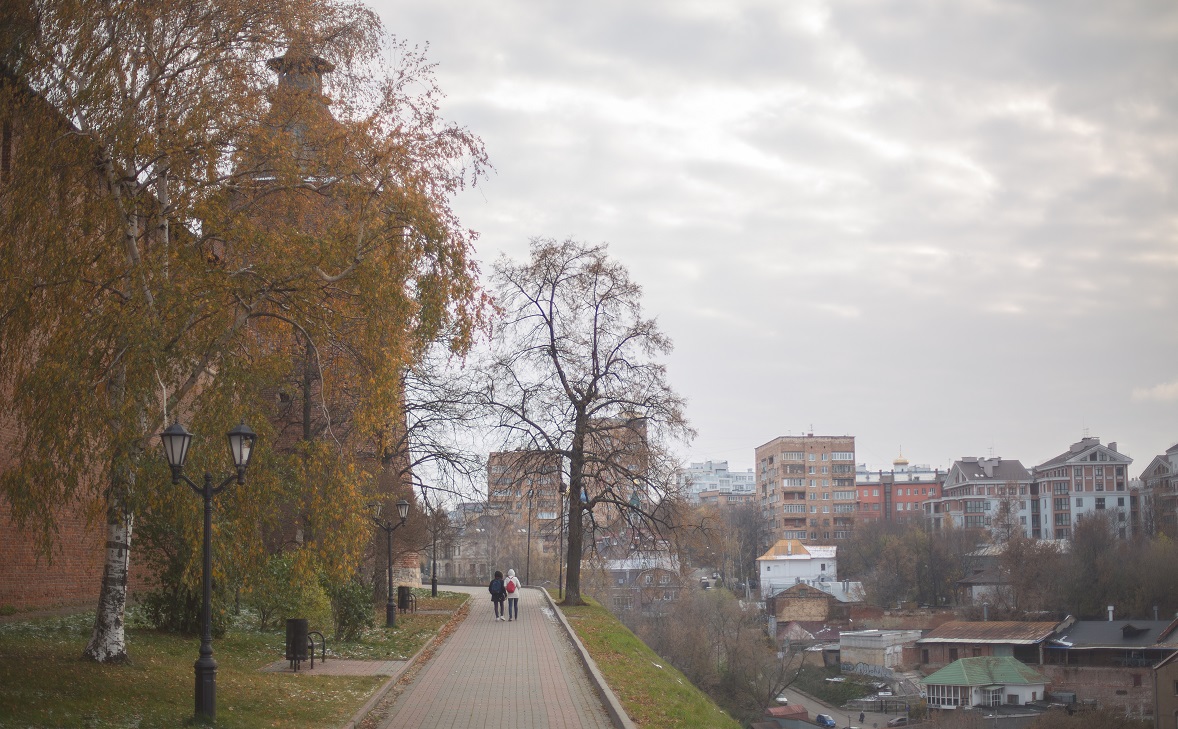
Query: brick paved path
x,y
522,675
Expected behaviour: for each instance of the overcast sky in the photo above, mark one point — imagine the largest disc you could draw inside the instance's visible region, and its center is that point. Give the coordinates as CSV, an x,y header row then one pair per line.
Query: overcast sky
x,y
947,227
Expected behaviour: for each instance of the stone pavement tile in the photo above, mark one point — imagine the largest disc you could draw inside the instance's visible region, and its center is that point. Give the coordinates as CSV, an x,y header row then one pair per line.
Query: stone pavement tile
x,y
519,674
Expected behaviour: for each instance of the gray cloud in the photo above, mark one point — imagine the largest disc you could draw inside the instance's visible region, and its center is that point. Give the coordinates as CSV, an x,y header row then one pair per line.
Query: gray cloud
x,y
943,225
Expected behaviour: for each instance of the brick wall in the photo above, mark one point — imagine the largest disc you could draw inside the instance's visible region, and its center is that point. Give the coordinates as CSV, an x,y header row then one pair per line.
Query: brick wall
x,y
1130,688
73,575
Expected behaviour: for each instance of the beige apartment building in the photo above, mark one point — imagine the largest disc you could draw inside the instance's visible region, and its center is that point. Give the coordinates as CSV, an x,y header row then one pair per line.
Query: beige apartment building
x,y
806,487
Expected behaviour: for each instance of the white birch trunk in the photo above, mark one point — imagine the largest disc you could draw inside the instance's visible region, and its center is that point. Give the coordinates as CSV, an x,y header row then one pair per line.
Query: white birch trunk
x,y
108,642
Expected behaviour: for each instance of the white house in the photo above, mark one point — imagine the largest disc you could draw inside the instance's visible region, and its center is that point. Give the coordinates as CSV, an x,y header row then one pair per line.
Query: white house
x,y
984,681
789,562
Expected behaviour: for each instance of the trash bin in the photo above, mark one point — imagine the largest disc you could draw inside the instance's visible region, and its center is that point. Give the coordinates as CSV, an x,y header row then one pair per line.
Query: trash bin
x,y
296,641
403,597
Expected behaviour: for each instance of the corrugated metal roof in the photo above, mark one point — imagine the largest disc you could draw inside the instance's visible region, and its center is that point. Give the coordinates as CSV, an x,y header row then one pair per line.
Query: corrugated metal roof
x,y
985,670
1009,632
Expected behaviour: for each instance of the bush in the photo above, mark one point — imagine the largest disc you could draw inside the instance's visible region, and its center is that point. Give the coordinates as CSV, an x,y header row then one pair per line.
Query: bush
x,y
175,608
351,605
288,588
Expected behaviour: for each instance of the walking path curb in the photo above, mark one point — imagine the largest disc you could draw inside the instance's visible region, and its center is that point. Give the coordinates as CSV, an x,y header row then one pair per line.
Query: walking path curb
x,y
458,616
612,705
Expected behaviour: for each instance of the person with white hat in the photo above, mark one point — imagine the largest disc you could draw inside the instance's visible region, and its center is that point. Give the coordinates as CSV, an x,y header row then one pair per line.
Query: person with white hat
x,y
512,585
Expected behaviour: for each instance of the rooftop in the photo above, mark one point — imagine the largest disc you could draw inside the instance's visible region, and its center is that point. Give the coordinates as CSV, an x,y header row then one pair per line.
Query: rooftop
x,y
794,549
991,631
1089,634
985,671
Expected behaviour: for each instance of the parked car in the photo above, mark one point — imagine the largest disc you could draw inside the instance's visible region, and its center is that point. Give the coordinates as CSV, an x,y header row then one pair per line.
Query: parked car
x,y
826,720
782,699
898,721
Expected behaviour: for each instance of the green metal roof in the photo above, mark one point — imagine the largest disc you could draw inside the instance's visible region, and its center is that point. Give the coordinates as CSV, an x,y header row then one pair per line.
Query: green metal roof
x,y
985,670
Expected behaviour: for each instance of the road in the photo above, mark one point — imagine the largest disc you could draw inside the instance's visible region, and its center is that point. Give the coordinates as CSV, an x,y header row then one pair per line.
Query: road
x,y
871,720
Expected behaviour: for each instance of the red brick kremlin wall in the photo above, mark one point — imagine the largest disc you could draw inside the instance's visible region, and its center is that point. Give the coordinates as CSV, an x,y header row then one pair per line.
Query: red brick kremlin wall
x,y
72,577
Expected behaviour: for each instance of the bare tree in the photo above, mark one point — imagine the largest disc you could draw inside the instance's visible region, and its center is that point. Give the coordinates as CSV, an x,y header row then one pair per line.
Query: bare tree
x,y
574,371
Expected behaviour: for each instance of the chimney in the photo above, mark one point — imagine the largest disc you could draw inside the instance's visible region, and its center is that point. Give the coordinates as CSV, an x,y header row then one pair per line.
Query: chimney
x,y
1113,447
1110,613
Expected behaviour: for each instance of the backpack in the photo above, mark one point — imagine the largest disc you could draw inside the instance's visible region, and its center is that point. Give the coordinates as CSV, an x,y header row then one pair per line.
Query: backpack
x,y
496,588
510,585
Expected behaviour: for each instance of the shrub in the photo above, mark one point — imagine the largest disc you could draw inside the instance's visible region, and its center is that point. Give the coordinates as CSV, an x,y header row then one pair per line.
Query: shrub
x,y
288,587
351,604
173,607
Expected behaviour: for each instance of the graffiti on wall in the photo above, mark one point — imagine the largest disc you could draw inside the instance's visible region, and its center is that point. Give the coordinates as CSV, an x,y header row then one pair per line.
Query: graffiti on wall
x,y
868,669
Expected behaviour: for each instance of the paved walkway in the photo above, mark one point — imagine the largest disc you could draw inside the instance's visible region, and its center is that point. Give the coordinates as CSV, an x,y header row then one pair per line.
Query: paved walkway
x,y
522,674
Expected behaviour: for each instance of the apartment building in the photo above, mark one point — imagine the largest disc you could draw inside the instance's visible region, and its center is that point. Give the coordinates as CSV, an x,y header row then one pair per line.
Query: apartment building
x,y
524,486
806,487
714,479
897,494
992,493
1088,478
1159,495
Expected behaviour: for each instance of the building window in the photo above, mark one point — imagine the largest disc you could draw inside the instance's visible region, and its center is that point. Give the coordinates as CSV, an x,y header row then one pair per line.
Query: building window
x,y
1100,503
1079,503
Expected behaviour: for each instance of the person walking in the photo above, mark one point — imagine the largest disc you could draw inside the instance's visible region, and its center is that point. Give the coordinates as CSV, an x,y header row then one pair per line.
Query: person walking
x,y
512,586
498,594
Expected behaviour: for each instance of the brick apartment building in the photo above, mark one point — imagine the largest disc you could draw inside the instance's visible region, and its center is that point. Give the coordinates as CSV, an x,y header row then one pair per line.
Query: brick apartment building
x,y
986,493
806,487
1088,478
1157,511
898,494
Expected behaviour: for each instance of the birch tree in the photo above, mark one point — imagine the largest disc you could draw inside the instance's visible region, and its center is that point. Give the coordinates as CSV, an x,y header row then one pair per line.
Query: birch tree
x,y
575,372
168,238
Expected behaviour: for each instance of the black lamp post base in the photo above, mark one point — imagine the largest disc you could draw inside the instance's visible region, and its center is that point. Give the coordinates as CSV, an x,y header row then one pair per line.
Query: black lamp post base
x,y
206,690
433,586
390,615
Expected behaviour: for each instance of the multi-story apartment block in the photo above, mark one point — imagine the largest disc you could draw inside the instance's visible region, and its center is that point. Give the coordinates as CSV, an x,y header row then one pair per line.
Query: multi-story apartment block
x,y
987,493
806,487
1087,478
897,494
717,481
524,486
1159,495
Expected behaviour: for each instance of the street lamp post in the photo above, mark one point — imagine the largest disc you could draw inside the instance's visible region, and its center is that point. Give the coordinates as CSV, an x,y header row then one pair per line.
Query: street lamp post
x,y
528,565
433,570
175,440
390,608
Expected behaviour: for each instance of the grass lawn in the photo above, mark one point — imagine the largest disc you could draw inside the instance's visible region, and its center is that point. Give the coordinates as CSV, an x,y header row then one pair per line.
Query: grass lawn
x,y
45,683
653,693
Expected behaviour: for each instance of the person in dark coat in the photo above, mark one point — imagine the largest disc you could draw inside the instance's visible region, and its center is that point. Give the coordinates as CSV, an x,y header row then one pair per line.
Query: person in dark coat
x,y
498,594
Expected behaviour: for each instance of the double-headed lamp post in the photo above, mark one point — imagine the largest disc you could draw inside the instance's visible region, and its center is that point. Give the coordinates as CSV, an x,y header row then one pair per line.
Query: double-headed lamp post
x,y
433,567
390,608
176,440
